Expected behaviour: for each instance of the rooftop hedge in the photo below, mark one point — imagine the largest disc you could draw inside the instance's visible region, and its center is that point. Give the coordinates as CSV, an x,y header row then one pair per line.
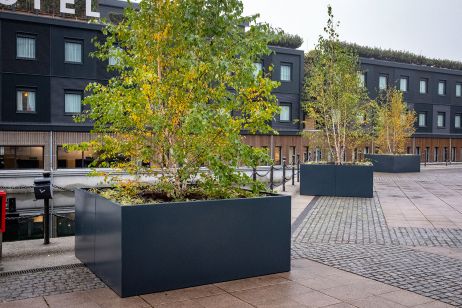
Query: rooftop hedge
x,y
288,40
402,57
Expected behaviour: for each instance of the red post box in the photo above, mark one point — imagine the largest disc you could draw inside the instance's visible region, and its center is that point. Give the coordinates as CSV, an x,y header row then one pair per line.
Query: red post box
x,y
2,211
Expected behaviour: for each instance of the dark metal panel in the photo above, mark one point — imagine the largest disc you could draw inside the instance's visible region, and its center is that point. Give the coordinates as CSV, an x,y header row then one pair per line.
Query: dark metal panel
x,y
108,243
336,180
196,243
85,228
395,163
317,180
354,181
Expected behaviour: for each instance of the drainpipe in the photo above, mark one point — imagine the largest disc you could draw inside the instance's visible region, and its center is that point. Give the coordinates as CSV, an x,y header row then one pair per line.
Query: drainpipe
x,y
50,226
450,150
413,145
272,147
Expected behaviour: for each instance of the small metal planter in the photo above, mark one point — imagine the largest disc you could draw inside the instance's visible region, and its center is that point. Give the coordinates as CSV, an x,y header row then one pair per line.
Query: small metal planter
x,y
336,180
395,163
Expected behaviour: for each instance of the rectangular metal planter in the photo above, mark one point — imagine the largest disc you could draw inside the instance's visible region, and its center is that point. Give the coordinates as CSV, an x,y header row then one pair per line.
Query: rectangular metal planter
x,y
336,180
150,248
395,163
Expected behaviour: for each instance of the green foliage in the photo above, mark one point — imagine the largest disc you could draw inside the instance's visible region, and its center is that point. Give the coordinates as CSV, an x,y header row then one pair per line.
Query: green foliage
x,y
336,99
169,110
287,40
401,56
395,123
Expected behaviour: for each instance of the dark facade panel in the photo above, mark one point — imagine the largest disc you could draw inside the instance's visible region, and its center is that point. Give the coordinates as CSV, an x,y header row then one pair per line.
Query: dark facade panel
x,y
10,63
40,84
291,57
59,86
428,109
455,110
292,100
394,71
89,68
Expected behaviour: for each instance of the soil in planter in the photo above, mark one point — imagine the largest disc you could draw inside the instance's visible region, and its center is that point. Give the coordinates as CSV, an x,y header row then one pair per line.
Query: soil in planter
x,y
140,193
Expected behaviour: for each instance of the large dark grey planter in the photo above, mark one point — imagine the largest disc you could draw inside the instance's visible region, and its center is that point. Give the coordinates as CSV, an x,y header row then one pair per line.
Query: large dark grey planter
x,y
150,248
336,180
395,163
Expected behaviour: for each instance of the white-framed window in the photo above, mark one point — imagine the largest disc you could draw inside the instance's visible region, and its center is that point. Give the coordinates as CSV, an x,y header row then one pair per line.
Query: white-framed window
x,y
458,89
423,86
362,78
286,72
422,119
442,87
258,68
285,114
25,101
72,102
404,84
114,59
383,82
441,120
73,51
457,120
25,46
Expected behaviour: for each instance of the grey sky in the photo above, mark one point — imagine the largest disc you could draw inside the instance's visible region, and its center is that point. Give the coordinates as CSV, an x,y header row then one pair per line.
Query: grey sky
x,y
428,27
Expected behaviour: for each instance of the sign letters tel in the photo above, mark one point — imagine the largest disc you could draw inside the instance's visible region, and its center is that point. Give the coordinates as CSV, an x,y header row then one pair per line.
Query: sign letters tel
x,y
63,6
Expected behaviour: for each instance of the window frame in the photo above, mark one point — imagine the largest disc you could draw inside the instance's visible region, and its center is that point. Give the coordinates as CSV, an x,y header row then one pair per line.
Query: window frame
x,y
261,69
28,89
407,83
30,36
74,41
438,114
459,86
460,120
79,92
418,119
289,105
444,89
290,66
426,86
386,81
16,160
363,78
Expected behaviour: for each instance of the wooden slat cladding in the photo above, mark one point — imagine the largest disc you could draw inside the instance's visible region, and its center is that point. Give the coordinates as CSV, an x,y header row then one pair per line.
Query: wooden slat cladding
x,y
286,143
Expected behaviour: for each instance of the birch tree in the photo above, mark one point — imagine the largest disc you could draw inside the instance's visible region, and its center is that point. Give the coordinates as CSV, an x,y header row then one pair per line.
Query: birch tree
x,y
183,68
395,123
337,100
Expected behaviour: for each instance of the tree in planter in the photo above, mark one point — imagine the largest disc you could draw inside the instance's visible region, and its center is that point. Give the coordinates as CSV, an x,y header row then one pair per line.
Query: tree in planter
x,y
395,123
184,89
337,100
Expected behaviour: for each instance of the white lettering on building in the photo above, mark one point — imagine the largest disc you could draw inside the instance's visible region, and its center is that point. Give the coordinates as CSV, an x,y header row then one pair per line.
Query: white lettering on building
x,y
63,6
8,2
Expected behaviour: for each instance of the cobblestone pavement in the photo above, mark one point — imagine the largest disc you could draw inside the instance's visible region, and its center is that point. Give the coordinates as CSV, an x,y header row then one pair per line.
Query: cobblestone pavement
x,y
361,221
427,274
353,234
47,281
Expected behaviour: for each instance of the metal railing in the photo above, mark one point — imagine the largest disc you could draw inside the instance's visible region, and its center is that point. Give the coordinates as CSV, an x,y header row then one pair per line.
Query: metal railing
x,y
294,176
